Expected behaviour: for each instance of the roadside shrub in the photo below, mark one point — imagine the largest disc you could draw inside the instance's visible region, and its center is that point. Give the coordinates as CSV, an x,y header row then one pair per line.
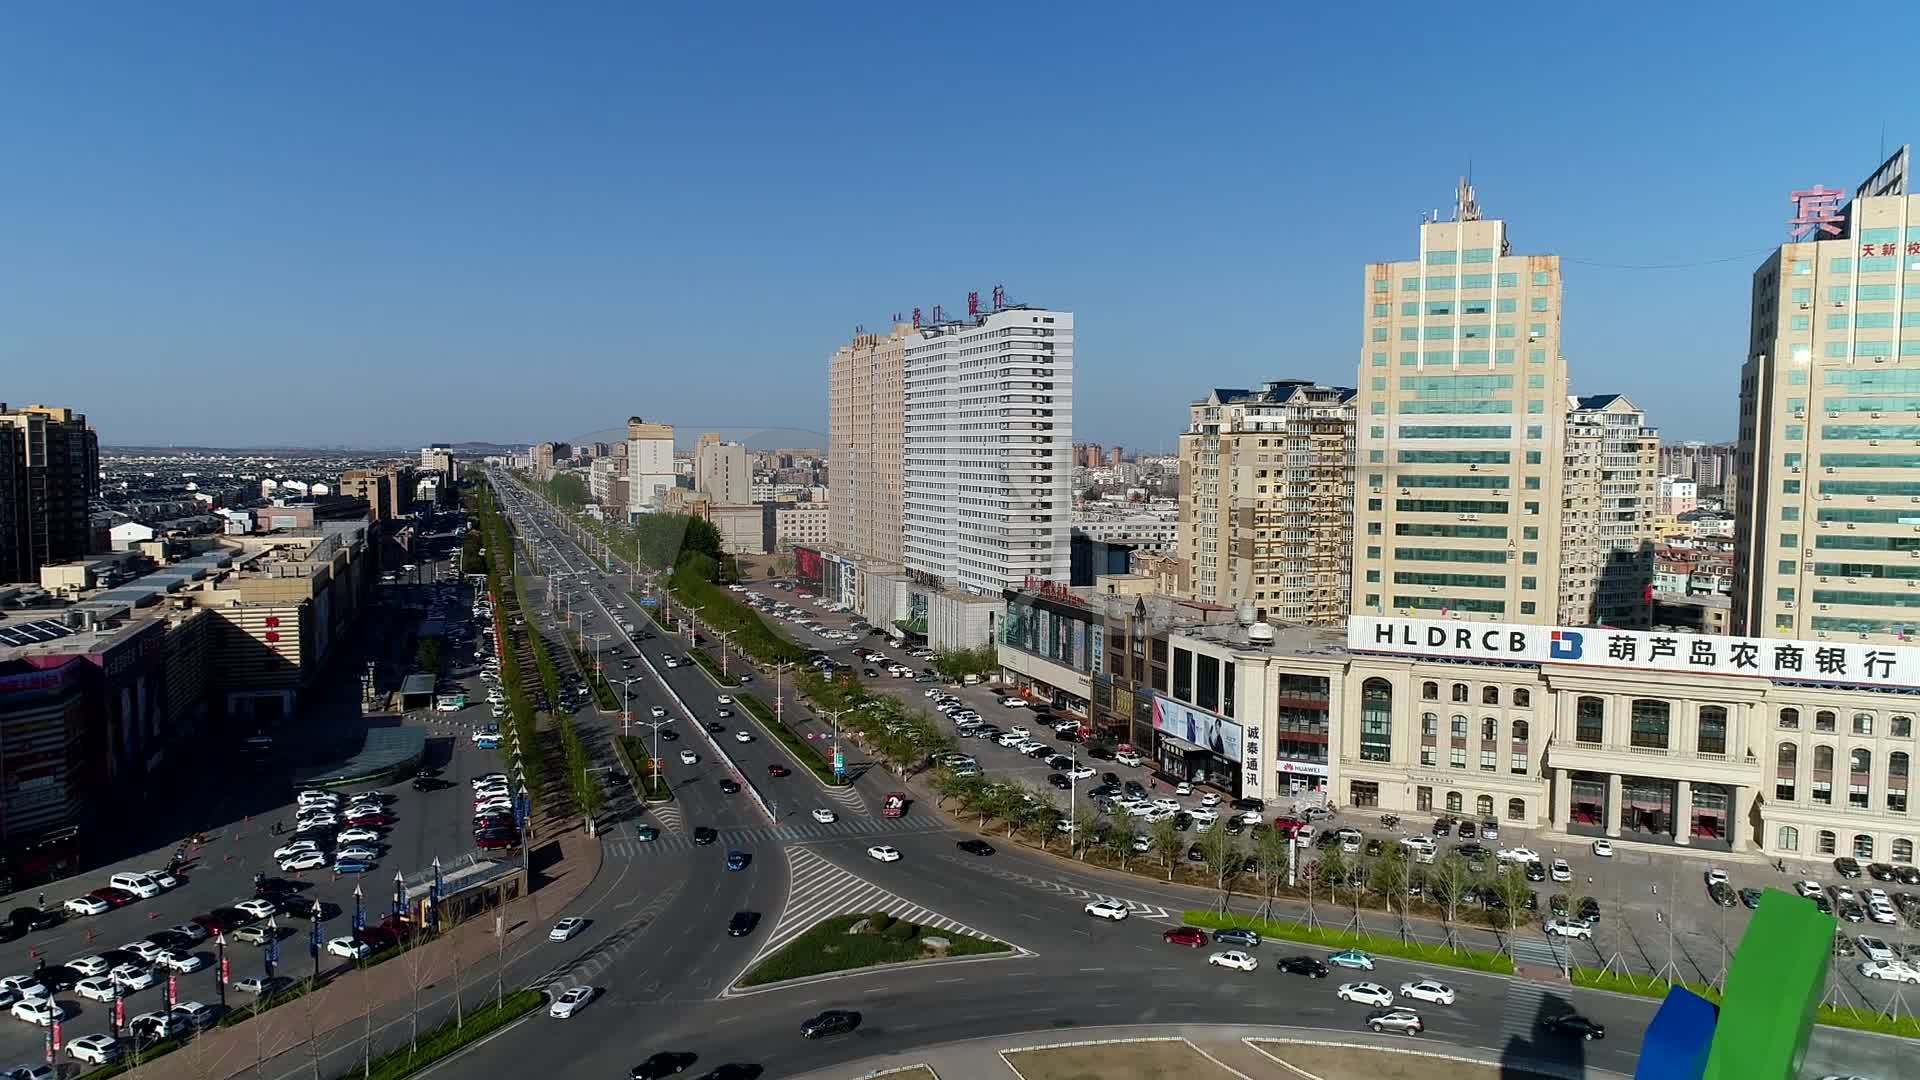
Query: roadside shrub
x,y
903,931
880,921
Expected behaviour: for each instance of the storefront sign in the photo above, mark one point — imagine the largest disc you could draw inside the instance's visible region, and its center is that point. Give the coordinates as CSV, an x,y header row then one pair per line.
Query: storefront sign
x,y
1047,589
1853,663
1202,729
1250,768
1301,768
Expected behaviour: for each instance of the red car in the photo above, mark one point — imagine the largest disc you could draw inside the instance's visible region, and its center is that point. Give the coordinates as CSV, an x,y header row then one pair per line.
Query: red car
x,y
495,841
1191,936
113,897
370,821
377,937
778,770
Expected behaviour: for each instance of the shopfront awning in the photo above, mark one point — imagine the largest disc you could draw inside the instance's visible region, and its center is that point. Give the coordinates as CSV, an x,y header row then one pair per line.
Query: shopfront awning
x,y
1182,745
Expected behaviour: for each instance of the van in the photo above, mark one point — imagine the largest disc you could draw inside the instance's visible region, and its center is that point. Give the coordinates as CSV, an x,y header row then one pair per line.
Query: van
x,y
139,884
971,680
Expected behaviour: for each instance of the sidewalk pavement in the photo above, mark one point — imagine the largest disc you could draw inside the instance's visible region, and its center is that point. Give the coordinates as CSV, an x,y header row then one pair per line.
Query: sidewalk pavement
x,y
979,1059
230,1051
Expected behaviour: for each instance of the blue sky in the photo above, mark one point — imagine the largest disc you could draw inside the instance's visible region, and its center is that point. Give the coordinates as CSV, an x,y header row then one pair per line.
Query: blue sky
x,y
243,224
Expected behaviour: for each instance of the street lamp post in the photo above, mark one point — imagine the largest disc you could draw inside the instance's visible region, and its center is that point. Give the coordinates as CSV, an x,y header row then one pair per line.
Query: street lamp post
x,y
778,697
626,703
723,636
313,940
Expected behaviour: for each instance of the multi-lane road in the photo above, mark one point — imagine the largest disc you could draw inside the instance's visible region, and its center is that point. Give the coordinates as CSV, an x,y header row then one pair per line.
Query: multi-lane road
x,y
659,953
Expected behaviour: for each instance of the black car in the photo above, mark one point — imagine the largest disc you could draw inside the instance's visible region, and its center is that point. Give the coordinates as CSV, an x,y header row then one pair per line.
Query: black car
x,y
1467,831
662,1065
1721,893
831,1022
1535,871
729,786
172,939
1235,826
1589,909
975,847
58,977
1309,966
1443,827
742,923
704,835
1245,939
1100,752
715,727
429,783
1250,804
1110,778
1194,854
1846,867
1059,780
1134,790
33,918
274,888
1573,1024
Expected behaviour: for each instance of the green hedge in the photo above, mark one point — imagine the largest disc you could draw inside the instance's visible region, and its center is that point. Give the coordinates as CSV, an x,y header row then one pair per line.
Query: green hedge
x,y
803,751
712,667
632,751
1470,959
828,947
447,1039
1653,987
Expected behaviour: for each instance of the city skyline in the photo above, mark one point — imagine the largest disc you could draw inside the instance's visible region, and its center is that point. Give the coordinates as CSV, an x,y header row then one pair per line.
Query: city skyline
x,y
417,218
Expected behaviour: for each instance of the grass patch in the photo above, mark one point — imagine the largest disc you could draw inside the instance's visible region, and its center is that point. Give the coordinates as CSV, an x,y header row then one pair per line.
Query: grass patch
x,y
803,751
1469,959
1906,1027
447,1040
1156,1059
632,751
830,947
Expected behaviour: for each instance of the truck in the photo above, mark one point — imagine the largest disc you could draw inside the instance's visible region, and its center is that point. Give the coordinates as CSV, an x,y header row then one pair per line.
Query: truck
x,y
894,805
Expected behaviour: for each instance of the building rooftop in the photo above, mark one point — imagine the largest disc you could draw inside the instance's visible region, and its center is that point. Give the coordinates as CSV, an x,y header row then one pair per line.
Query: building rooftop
x,y
1289,639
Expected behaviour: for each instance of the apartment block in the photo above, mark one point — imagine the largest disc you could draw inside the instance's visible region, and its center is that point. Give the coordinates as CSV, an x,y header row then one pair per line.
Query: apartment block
x,y
1828,471
651,472
721,472
1606,522
1461,413
866,437
1266,499
800,524
49,480
988,451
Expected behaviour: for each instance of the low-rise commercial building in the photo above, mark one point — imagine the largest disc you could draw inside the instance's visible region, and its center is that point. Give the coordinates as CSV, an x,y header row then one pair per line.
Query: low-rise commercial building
x,y
800,524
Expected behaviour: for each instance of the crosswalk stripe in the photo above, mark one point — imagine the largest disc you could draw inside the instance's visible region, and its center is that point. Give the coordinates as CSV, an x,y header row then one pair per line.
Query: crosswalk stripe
x,y
819,890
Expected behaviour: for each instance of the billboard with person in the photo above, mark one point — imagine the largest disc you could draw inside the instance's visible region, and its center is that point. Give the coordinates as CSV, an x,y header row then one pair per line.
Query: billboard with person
x,y
1201,728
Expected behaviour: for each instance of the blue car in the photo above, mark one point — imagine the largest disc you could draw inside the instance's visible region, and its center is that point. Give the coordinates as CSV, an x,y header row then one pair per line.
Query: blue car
x,y
737,860
352,866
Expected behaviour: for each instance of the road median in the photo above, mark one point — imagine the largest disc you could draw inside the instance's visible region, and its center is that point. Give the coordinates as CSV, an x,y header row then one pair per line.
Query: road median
x,y
846,943
1419,952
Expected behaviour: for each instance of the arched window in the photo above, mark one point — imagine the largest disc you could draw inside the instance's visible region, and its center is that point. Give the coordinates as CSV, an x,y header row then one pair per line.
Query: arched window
x,y
1376,720
1429,691
1789,757
1790,719
1789,838
1897,781
1712,737
1823,720
1823,842
1862,847
1429,724
1489,728
1862,723
1516,809
1859,761
1453,802
1786,773
1460,693
1519,731
1457,727
1651,720
1589,720
1901,727
1902,850
1823,759
1859,775
1522,699
1484,806
1489,695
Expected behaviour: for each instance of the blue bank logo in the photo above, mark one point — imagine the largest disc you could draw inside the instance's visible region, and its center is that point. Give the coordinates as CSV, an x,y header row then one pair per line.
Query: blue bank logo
x,y
1564,645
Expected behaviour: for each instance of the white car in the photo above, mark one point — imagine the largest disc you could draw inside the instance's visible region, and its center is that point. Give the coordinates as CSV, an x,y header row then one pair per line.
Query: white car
x,y
1164,803
87,905
1560,871
259,909
1112,910
742,736
1183,789
316,821
1809,888
566,928
570,1002
1210,798
133,977
96,989
1603,848
688,757
1235,959
1437,993
145,950
884,853
94,1049
1203,818
1890,970
1014,702
175,960
89,965
724,699
656,712
364,854
349,948
1882,914
1517,854
1365,993
1875,949
193,932
306,860
1568,928
38,1010
825,816
357,835
1080,772
297,847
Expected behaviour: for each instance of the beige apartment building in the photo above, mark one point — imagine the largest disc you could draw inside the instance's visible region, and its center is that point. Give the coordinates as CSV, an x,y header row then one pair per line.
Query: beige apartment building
x,y
800,525
1461,414
1828,467
1611,488
866,437
1266,500
721,472
651,472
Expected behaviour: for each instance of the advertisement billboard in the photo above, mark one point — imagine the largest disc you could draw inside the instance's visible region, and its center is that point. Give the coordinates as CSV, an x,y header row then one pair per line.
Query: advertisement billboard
x,y
807,565
1202,729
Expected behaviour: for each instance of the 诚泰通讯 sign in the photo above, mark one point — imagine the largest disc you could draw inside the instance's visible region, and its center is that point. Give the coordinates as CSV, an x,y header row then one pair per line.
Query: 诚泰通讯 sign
x,y
1855,663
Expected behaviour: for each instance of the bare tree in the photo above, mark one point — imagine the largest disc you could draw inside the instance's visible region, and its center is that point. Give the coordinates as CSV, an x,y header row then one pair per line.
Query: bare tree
x,y
1272,851
309,1004
459,1005
1223,858
1166,844
416,977
1450,878
1388,877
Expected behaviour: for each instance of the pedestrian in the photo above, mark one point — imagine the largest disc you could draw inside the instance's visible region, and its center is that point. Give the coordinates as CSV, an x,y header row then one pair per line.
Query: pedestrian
x,y
43,899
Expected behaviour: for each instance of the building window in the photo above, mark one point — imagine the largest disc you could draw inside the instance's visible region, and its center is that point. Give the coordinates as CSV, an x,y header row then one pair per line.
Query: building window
x,y
1823,721
1823,774
1460,693
1489,760
1712,738
1182,675
1789,719
1589,715
1900,727
1430,725
1517,764
1651,720
1897,781
1862,723
1206,682
1786,771
1489,729
1789,838
1453,802
1824,842
1429,691
1429,756
1363,793
1522,698
1458,727
1484,806
1520,731
1903,850
1489,695
1863,847
1516,809
1376,721
1457,757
